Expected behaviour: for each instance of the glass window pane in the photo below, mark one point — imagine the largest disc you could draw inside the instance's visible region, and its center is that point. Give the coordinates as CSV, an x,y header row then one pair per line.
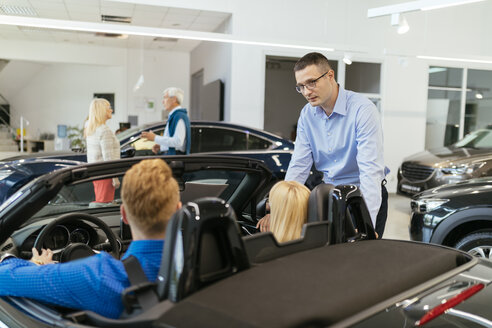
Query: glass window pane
x,y
221,140
255,142
478,110
445,77
363,77
443,118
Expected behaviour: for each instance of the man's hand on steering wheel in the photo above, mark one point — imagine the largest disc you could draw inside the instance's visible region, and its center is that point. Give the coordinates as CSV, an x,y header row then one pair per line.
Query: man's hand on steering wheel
x,y
46,256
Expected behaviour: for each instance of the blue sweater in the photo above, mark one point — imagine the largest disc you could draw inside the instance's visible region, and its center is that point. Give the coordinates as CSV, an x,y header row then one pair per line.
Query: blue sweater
x,y
179,114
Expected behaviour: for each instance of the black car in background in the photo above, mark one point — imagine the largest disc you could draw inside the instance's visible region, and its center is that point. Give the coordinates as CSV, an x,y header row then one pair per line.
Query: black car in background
x,y
456,215
469,158
214,274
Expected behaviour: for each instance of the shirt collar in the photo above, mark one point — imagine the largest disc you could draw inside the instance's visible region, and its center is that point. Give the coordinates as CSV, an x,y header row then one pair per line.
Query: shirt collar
x,y
340,104
175,109
144,246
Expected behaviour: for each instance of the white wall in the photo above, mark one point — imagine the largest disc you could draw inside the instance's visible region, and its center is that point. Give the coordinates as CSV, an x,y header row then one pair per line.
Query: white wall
x,y
61,94
215,60
161,69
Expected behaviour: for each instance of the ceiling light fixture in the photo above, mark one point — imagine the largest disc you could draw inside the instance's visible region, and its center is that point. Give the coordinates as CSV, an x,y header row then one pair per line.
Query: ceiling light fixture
x,y
478,95
403,26
347,59
17,10
415,6
146,31
418,5
478,61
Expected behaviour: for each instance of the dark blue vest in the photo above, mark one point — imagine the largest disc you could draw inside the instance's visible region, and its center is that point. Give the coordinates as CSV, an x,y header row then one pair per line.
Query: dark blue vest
x,y
172,121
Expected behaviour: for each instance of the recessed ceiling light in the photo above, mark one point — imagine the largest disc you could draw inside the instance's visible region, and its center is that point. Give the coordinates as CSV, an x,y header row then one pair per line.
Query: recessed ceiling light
x,y
17,10
32,29
162,39
116,19
112,35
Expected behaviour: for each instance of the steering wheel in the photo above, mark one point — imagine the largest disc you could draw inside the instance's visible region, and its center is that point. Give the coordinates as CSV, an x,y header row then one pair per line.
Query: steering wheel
x,y
77,250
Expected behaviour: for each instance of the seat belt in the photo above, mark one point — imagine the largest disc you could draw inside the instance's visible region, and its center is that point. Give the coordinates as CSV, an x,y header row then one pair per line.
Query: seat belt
x,y
141,289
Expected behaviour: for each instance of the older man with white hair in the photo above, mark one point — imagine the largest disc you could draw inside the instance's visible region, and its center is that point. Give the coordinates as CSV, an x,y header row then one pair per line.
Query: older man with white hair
x,y
177,135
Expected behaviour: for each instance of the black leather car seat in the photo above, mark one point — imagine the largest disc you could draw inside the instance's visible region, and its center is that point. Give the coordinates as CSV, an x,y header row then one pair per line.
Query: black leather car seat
x,y
203,244
344,208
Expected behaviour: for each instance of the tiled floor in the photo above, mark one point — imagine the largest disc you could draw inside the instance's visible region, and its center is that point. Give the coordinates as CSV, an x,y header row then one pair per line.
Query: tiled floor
x,y
398,217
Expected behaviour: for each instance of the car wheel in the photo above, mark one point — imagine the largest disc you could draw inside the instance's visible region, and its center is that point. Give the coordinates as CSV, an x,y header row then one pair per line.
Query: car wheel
x,y
477,244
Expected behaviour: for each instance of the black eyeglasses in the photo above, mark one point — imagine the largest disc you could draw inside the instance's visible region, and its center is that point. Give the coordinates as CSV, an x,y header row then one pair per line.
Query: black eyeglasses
x,y
310,85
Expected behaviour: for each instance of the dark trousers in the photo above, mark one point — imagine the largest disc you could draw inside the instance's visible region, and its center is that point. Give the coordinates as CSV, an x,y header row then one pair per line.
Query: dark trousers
x,y
383,211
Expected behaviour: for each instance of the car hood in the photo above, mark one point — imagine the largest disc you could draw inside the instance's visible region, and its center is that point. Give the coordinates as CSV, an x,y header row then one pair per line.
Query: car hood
x,y
441,157
467,187
32,197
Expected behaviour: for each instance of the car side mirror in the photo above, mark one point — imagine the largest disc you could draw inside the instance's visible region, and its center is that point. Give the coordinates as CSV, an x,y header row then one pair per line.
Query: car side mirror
x,y
127,152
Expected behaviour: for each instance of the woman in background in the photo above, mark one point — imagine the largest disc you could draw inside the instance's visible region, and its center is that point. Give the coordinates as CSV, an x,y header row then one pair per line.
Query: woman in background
x,y
288,210
102,145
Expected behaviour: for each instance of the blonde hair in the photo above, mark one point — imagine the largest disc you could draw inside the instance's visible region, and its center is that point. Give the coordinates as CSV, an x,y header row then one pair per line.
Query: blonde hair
x,y
288,210
97,115
150,195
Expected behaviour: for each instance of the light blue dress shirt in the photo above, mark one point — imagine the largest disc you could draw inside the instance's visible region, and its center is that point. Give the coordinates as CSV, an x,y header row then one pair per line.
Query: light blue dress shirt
x,y
347,146
94,283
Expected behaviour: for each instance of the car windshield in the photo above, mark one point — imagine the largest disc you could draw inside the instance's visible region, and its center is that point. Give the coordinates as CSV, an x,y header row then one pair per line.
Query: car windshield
x,y
480,139
127,133
202,183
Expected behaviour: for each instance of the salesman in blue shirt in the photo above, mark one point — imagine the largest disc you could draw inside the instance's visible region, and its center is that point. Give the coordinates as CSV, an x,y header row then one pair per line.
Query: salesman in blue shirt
x,y
340,131
150,196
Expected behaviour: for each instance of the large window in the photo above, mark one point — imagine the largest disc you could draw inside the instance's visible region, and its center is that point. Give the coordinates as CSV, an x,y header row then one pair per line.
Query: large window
x,y
458,102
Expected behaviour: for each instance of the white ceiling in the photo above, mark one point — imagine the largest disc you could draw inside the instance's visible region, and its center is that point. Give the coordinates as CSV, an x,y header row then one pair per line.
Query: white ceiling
x,y
91,11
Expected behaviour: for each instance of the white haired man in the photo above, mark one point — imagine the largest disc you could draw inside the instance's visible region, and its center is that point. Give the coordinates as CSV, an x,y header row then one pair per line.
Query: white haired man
x,y
177,135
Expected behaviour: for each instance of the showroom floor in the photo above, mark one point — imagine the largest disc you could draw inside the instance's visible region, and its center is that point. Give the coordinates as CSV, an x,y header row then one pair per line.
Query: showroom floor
x,y
398,217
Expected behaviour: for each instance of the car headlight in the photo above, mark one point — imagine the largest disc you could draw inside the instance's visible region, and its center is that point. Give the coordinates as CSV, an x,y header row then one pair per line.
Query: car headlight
x,y
462,168
427,205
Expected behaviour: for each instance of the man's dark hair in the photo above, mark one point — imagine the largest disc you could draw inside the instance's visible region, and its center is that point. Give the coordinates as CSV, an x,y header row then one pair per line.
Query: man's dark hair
x,y
312,58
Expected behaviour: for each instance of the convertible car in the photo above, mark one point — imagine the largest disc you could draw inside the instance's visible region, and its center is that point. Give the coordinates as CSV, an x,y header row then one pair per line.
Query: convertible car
x,y
217,271
206,137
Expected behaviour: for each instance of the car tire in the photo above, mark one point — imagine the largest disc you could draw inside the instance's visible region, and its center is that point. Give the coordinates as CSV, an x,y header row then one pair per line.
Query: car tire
x,y
478,244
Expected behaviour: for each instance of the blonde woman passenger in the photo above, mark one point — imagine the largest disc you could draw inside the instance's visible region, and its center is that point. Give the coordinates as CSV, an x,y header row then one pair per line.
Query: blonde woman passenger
x,y
102,145
288,210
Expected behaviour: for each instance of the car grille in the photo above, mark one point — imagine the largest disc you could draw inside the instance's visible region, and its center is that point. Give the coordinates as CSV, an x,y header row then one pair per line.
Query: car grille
x,y
416,172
